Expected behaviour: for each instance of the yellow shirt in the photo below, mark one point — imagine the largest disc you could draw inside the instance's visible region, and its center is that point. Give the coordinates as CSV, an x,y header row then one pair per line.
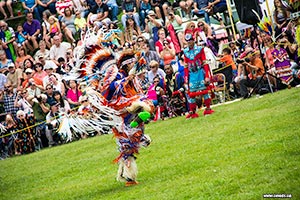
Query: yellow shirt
x,y
80,23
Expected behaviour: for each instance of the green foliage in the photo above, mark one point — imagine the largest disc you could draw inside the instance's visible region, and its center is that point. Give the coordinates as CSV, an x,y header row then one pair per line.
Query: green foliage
x,y
242,151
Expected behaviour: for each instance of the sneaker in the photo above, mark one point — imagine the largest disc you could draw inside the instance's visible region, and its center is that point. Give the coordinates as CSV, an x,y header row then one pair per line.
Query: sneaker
x,y
130,183
208,112
195,115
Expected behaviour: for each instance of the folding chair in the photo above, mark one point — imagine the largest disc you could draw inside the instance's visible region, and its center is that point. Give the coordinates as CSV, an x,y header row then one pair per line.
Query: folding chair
x,y
221,92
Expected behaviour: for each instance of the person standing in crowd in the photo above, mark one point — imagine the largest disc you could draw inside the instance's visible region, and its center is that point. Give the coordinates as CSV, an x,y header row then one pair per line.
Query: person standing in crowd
x,y
33,28
25,139
40,109
197,76
8,98
51,122
175,29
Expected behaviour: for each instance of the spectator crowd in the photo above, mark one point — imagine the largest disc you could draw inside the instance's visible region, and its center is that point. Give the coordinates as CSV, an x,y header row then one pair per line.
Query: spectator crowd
x,y
36,55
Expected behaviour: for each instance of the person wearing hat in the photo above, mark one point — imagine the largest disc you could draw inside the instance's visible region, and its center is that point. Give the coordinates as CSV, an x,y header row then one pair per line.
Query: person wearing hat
x,y
40,109
197,76
152,27
129,10
52,122
14,76
253,70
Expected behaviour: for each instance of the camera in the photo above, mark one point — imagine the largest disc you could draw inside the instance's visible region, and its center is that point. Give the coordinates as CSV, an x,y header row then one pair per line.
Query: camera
x,y
241,61
50,126
39,98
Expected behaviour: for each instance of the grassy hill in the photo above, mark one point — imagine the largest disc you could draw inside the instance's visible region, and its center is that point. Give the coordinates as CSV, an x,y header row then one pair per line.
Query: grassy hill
x,y
244,150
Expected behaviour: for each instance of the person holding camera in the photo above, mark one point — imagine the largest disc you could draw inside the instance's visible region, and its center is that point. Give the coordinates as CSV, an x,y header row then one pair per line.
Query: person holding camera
x,y
167,54
174,26
152,26
40,109
22,102
253,70
52,123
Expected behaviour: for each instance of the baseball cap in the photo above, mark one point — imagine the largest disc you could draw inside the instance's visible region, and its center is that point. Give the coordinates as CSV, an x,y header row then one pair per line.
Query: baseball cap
x,y
28,70
10,65
151,12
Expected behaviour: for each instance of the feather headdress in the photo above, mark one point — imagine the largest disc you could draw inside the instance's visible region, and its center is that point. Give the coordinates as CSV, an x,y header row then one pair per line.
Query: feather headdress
x,y
265,25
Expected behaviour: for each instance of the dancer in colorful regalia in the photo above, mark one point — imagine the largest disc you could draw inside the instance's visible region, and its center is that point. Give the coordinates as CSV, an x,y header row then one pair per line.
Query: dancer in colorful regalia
x,y
125,94
113,90
197,77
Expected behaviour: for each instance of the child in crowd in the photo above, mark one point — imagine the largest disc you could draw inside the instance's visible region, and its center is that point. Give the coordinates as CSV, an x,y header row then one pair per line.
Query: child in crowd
x,y
227,59
54,27
21,39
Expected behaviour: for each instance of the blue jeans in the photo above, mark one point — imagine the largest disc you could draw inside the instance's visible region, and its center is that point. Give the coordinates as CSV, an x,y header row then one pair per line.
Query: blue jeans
x,y
143,14
36,13
51,8
201,13
114,10
136,18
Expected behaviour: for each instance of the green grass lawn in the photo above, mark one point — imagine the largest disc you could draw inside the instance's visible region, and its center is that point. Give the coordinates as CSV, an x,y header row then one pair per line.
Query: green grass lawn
x,y
242,151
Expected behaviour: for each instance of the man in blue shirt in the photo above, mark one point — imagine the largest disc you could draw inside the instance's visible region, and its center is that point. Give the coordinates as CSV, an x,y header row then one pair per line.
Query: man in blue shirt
x,y
33,28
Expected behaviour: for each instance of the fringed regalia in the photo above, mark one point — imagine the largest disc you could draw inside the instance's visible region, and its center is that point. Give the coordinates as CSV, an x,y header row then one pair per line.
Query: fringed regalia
x,y
282,65
117,99
195,74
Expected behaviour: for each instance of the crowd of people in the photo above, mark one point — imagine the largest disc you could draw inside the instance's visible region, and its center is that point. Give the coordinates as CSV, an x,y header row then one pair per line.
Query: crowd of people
x,y
37,59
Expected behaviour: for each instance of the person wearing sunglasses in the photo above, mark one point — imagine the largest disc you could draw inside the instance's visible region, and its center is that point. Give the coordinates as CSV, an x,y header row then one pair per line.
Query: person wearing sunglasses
x,y
197,76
